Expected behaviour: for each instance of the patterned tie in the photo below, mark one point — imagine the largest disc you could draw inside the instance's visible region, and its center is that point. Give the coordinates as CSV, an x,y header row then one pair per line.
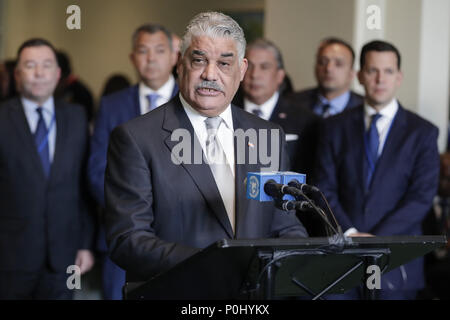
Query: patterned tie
x,y
41,140
372,145
258,112
326,110
152,98
220,168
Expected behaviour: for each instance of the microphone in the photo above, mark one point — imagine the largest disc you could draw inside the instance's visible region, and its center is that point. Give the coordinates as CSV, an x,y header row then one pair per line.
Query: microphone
x,y
256,182
303,187
278,190
288,205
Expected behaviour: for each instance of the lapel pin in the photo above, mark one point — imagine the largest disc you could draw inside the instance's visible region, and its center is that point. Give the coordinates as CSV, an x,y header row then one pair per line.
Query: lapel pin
x,y
282,115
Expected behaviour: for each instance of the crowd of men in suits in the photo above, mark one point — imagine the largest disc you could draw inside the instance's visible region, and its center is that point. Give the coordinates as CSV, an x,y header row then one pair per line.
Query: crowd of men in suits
x,y
376,162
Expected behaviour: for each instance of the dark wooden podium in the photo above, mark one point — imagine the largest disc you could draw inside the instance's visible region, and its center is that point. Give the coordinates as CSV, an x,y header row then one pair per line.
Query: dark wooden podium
x,y
272,268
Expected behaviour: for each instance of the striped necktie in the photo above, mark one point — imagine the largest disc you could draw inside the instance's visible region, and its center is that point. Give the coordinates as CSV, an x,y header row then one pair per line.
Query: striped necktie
x,y
41,140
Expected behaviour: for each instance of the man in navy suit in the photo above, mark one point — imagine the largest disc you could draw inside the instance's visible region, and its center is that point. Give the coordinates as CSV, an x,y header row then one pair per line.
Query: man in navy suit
x,y
261,96
153,57
379,165
44,222
164,205
334,74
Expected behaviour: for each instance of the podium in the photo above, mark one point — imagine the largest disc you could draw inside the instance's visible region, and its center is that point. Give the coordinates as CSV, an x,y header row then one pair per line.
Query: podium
x,y
273,268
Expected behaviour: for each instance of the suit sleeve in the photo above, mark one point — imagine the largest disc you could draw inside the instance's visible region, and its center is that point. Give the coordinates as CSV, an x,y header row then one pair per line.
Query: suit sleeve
x,y
326,173
131,238
85,203
97,157
418,198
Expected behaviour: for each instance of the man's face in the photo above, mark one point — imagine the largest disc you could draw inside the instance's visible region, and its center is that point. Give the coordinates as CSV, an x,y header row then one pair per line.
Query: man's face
x,y
333,68
37,73
210,73
380,77
153,58
263,77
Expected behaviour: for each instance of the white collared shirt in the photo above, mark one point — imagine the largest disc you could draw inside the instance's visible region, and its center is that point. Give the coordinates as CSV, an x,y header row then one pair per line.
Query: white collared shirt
x,y
266,108
225,133
384,122
165,93
48,113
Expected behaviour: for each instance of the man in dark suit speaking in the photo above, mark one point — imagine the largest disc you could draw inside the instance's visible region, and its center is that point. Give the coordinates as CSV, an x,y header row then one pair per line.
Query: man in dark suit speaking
x,y
44,224
160,211
379,165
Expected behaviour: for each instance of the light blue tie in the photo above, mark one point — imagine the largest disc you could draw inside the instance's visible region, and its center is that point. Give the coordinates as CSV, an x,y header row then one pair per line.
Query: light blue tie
x,y
152,98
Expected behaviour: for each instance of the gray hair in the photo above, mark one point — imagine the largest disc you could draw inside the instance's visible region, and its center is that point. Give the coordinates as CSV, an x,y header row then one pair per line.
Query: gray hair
x,y
265,44
214,25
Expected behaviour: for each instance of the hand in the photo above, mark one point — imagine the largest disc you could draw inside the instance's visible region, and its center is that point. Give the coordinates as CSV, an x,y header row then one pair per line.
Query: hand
x,y
361,234
84,260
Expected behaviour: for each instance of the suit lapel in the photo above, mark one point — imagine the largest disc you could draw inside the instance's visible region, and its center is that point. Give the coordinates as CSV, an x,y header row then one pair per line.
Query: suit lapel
x,y
357,145
176,118
136,101
276,111
22,127
175,90
241,170
393,142
60,145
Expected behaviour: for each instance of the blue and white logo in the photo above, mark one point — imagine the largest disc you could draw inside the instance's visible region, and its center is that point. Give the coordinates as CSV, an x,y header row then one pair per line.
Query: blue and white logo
x,y
254,187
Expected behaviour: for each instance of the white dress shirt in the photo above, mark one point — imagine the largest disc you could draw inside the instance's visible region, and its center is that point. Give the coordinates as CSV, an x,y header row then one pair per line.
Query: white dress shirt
x,y
266,108
384,122
48,113
225,134
165,93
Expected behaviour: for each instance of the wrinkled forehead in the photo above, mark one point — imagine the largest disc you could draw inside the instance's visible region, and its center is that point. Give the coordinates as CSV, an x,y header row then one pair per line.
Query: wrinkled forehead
x,y
212,47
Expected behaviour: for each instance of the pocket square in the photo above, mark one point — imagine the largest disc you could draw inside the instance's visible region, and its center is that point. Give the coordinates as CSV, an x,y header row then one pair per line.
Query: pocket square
x,y
291,137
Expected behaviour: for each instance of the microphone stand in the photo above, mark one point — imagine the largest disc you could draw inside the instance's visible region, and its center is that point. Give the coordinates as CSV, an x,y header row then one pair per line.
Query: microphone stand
x,y
335,235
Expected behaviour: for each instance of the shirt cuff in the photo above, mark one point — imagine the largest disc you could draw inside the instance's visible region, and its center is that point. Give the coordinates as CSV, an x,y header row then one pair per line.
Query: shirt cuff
x,y
350,231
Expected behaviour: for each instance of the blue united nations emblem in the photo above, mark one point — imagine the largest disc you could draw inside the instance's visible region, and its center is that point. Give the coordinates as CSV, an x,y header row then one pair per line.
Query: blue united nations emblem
x,y
254,187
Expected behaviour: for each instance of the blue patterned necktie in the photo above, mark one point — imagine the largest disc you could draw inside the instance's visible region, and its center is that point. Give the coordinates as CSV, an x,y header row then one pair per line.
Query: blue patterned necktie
x,y
326,110
152,98
41,140
373,143
257,112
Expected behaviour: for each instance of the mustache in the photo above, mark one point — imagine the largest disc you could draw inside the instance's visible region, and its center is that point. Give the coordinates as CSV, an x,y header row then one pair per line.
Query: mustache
x,y
209,85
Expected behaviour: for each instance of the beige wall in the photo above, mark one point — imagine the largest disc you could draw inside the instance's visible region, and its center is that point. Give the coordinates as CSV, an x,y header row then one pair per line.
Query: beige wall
x,y
103,44
298,26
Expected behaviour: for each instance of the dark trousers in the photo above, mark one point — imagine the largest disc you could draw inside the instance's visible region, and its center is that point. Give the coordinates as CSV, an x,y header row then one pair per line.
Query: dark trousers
x,y
40,285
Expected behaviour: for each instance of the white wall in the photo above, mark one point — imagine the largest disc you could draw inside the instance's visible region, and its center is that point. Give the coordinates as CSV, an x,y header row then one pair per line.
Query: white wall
x,y
434,65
